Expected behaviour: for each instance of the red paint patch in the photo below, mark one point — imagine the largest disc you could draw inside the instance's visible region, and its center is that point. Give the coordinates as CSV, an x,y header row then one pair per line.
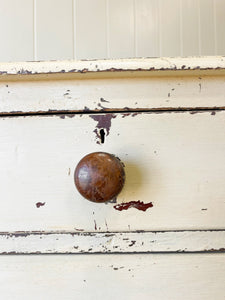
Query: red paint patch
x,y
136,204
39,204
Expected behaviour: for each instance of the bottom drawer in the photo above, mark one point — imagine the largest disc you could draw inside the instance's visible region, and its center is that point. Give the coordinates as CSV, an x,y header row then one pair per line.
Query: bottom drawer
x,y
128,276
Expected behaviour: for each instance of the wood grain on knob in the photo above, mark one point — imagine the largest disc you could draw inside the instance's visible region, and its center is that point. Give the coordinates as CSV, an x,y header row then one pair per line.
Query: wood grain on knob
x,y
99,176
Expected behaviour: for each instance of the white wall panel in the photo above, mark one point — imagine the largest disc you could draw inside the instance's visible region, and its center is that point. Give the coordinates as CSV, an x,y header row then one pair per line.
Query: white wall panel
x,y
220,26
98,29
147,28
90,36
170,39
190,28
207,28
121,28
16,30
54,29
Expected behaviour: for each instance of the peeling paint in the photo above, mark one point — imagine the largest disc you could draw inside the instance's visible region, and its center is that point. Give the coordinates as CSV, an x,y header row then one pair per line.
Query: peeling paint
x,y
103,122
103,100
86,108
95,225
140,205
132,243
39,204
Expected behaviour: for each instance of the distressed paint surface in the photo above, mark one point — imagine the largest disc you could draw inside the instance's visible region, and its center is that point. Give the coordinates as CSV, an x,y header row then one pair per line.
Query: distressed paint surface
x,y
174,160
158,276
135,64
112,94
114,242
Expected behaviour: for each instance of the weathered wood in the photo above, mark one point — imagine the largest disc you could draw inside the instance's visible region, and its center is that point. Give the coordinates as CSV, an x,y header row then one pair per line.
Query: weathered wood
x,y
107,94
174,160
150,84
172,276
135,64
114,242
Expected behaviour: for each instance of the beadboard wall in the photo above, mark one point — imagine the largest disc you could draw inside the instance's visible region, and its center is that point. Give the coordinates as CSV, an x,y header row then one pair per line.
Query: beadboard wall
x,y
98,29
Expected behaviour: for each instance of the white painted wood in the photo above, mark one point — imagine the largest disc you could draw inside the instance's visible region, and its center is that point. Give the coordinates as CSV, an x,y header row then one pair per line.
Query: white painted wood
x,y
54,29
163,65
169,18
186,276
219,13
128,242
147,28
56,88
121,28
175,160
190,27
129,92
207,27
16,30
91,29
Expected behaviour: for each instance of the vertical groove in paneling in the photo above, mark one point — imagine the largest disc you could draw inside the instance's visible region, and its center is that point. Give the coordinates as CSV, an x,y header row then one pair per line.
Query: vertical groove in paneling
x,y
135,28
121,28
74,27
160,28
190,27
207,27
34,31
107,27
214,27
220,26
181,30
54,29
147,28
90,29
199,29
16,30
170,27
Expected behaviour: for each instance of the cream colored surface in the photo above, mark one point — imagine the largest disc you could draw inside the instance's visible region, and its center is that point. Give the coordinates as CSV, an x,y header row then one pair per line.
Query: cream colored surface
x,y
53,31
173,156
162,83
114,242
91,29
157,276
175,160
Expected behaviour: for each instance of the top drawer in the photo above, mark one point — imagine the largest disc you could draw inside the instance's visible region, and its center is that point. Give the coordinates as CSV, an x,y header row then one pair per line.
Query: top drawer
x,y
137,84
167,128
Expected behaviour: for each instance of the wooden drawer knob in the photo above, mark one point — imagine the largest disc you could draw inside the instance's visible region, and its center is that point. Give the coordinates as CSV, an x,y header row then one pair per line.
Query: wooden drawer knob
x,y
99,176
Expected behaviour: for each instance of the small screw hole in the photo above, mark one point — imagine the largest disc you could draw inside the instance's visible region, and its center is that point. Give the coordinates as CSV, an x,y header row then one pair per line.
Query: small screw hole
x,y
102,135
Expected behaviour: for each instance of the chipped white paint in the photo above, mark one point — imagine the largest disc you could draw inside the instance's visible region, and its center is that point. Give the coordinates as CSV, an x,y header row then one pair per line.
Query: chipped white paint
x,y
127,277
136,64
118,90
175,160
119,242
117,94
112,94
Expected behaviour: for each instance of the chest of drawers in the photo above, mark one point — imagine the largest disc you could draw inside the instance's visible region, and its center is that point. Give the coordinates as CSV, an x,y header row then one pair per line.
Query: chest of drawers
x,y
165,120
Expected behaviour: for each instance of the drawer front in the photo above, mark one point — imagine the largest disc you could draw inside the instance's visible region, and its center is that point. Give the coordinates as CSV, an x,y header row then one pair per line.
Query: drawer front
x,y
174,160
158,276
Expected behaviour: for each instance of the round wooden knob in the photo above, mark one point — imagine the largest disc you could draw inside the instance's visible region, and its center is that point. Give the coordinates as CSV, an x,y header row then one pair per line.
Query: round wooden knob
x,y
99,176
